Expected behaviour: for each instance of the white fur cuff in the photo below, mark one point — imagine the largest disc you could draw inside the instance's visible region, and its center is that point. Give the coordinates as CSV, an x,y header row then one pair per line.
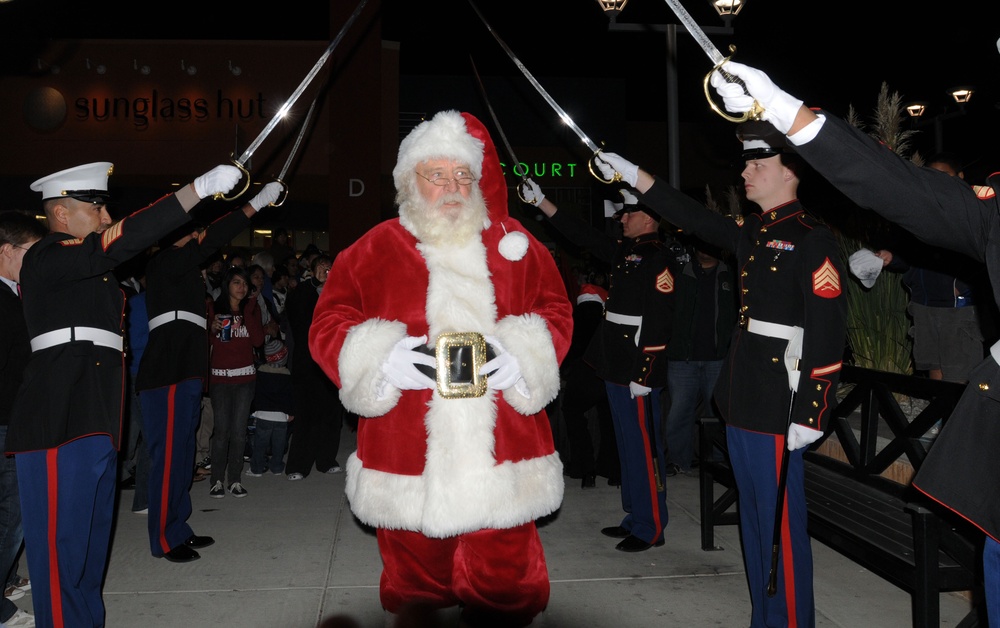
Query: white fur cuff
x,y
527,337
365,350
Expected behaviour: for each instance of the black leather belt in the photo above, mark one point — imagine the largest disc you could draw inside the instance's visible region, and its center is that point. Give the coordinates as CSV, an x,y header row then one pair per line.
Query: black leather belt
x,y
459,357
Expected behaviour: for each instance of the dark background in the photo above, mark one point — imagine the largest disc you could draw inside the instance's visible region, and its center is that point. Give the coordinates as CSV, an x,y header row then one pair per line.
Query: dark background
x,y
830,54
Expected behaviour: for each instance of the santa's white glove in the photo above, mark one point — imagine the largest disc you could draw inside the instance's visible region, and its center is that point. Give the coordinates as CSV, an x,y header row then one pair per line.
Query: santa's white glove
x,y
400,368
638,390
503,371
218,180
268,194
532,193
780,108
800,436
610,164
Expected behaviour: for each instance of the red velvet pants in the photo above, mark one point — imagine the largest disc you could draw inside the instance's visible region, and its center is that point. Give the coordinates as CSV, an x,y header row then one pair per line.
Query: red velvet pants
x,y
498,576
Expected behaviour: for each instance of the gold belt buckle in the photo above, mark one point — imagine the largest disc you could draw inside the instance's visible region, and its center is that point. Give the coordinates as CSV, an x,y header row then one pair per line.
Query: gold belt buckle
x,y
457,377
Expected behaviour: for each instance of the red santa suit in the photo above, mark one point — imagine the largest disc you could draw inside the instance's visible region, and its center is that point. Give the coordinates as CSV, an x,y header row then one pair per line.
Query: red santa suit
x,y
453,485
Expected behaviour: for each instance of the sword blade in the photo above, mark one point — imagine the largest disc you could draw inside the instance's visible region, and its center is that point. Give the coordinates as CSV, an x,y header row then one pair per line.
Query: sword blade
x,y
696,31
298,141
496,122
565,117
287,105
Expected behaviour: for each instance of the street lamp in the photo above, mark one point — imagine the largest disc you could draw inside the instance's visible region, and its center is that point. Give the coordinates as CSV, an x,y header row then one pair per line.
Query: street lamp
x,y
918,109
727,10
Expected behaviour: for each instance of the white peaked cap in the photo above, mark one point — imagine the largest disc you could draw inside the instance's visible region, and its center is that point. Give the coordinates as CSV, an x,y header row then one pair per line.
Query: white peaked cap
x,y
88,182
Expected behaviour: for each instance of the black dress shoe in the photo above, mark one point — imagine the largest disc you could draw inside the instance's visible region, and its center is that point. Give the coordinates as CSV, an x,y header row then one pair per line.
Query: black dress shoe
x,y
198,542
616,532
635,544
182,554
589,481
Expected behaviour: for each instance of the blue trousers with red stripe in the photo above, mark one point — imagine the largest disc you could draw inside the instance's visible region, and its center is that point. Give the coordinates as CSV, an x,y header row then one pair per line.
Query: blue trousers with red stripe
x,y
170,418
67,506
756,461
643,500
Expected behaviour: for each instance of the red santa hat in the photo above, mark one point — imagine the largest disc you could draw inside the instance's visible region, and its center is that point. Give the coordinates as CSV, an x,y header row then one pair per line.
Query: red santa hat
x,y
462,137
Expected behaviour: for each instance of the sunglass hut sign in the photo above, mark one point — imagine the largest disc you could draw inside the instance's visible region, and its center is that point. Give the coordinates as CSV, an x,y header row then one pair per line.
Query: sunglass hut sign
x,y
144,110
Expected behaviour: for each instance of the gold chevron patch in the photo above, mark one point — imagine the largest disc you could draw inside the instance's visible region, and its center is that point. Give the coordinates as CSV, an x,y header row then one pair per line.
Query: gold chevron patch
x,y
71,242
984,191
826,280
825,370
111,234
665,282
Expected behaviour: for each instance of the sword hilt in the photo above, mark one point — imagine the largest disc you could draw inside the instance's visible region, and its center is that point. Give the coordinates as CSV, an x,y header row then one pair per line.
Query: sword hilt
x,y
246,186
756,110
617,177
278,202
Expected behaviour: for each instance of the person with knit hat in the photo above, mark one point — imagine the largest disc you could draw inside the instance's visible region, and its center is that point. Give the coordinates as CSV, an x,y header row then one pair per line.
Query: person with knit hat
x,y
444,332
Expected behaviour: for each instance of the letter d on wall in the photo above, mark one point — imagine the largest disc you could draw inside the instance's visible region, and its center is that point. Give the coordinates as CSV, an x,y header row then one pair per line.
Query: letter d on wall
x,y
355,187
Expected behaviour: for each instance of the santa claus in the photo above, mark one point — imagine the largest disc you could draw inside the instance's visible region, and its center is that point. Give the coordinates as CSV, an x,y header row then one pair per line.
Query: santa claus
x,y
444,330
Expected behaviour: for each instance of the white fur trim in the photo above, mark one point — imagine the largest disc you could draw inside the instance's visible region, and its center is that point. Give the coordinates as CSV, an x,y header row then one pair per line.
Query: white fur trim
x,y
500,496
444,136
366,348
513,246
528,338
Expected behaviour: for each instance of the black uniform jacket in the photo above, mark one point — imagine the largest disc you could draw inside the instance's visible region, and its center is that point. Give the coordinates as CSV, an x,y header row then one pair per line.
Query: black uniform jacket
x,y
76,389
14,349
790,273
178,350
962,469
640,289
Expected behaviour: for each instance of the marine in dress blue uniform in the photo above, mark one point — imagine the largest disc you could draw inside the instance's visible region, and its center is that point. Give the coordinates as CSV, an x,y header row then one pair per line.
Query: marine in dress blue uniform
x,y
779,380
172,376
66,422
628,351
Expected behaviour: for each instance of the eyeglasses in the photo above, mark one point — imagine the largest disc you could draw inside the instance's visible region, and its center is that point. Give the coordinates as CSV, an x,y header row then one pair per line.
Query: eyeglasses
x,y
438,180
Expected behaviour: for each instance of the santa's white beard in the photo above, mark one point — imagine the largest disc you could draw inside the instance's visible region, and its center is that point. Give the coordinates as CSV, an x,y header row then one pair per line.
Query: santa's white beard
x,y
440,224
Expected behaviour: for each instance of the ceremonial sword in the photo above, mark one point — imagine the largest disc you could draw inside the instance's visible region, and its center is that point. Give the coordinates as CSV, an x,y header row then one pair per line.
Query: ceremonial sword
x,y
291,155
565,117
241,161
503,136
716,57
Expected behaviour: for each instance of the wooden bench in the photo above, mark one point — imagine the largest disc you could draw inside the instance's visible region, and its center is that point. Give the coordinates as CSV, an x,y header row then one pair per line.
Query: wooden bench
x,y
857,490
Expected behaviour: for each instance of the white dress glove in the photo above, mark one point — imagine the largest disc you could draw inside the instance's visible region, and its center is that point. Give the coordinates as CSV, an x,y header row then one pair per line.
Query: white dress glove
x,y
268,194
609,164
780,108
800,436
638,390
218,180
503,371
400,368
532,193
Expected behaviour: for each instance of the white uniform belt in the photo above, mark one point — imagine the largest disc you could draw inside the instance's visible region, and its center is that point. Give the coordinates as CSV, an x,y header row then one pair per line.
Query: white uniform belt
x,y
69,334
995,351
625,319
177,315
772,330
246,370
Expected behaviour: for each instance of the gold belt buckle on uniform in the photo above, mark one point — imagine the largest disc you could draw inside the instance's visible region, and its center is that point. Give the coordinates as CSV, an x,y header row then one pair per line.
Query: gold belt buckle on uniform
x,y
459,356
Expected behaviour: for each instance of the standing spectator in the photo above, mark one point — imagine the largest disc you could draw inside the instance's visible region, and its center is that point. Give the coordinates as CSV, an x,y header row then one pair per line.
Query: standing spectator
x,y
704,319
960,469
584,391
628,352
173,371
319,413
231,384
66,421
281,248
792,327
272,411
18,233
136,338
213,275
265,261
453,475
